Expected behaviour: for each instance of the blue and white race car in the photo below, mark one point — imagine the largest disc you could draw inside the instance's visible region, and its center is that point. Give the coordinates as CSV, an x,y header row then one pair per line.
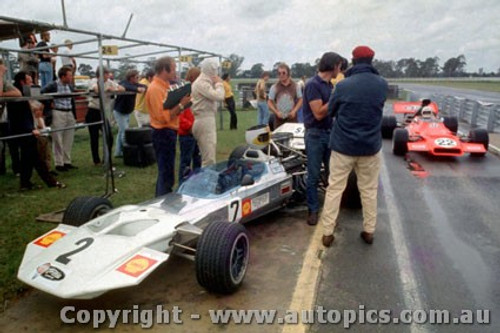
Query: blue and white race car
x,y
97,248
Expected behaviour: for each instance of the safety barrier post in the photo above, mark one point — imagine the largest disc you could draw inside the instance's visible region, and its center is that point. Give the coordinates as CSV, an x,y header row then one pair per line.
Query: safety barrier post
x,y
491,119
475,111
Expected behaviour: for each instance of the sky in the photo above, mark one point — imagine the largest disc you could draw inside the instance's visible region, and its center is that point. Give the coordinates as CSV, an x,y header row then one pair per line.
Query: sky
x,y
270,31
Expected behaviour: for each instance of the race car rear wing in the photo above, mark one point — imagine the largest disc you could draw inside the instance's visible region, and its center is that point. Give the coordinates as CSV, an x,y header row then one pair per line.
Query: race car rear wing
x,y
411,107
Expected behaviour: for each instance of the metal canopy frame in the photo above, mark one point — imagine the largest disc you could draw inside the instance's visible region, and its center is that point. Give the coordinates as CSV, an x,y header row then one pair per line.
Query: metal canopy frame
x,y
12,28
16,28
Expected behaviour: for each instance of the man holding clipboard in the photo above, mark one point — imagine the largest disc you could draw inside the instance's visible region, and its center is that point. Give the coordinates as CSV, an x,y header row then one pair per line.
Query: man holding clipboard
x,y
164,121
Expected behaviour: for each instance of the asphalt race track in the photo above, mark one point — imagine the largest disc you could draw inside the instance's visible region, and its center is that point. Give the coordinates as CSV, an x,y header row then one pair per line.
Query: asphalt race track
x,y
436,245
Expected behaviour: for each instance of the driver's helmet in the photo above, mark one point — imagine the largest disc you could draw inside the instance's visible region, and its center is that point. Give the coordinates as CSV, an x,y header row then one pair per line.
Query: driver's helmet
x,y
427,112
258,137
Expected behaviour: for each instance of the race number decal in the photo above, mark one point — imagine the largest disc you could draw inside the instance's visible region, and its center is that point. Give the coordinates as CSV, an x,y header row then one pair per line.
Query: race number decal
x,y
49,239
445,142
298,130
234,210
85,243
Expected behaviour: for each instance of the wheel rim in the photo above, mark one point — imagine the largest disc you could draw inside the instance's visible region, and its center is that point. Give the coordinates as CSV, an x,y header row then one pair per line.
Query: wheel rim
x,y
239,258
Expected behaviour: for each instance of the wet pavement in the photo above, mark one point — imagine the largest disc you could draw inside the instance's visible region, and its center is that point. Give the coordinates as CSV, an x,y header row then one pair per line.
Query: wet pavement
x,y
436,246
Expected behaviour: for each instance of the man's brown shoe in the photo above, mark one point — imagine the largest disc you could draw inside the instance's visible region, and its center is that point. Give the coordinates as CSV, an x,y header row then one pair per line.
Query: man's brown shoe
x,y
312,219
327,240
367,237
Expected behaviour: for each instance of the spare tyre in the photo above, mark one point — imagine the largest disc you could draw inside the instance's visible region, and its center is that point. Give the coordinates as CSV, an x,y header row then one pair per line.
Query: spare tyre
x,y
138,155
138,135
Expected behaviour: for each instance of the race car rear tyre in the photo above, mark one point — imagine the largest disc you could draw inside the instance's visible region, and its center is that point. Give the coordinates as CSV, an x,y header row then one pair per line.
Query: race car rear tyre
x,y
83,209
479,136
400,142
351,198
222,257
389,123
451,123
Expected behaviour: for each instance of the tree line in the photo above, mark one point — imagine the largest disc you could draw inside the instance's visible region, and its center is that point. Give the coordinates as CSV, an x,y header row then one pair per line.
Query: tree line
x,y
402,68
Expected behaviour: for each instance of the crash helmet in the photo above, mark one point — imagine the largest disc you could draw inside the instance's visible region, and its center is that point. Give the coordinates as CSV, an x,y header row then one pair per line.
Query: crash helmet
x,y
258,136
427,112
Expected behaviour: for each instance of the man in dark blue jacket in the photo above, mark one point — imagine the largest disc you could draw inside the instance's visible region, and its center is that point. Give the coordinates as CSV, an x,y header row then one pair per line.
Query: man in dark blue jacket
x,y
356,141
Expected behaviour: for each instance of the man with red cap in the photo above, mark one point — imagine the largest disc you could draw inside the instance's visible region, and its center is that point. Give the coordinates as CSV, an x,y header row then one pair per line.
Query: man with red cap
x,y
357,104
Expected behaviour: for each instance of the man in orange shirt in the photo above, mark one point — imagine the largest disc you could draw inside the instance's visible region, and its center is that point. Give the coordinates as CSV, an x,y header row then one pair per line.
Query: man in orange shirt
x,y
165,123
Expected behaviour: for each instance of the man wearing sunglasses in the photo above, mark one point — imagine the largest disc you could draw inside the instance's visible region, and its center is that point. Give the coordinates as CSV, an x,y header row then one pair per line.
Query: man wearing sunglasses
x,y
285,97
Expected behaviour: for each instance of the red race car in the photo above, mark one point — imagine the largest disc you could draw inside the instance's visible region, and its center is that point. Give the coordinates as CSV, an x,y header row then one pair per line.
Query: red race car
x,y
422,130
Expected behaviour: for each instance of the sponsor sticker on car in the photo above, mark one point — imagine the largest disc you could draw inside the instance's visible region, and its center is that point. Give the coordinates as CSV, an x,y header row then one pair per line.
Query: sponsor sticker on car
x,y
285,188
49,239
136,265
260,201
246,207
49,275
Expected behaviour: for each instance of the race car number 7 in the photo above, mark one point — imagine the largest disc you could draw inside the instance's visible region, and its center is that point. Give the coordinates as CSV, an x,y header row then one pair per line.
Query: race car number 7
x,y
234,211
64,258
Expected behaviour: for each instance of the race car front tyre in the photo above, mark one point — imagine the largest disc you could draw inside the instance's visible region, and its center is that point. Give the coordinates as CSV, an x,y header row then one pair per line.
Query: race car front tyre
x,y
83,209
479,136
400,142
222,257
451,123
389,123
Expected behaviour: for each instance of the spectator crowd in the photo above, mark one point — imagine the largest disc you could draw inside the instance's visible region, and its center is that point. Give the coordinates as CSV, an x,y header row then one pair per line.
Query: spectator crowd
x,y
340,107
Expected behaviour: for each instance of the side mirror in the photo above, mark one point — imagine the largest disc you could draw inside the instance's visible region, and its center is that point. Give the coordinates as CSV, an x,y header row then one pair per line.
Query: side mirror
x,y
247,180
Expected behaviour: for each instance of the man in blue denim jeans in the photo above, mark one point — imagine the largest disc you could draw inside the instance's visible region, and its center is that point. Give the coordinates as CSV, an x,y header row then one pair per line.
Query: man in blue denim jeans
x,y
318,125
45,69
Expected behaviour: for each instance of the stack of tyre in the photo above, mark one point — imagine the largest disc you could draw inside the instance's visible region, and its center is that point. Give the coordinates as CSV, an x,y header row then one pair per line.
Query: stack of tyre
x,y
138,148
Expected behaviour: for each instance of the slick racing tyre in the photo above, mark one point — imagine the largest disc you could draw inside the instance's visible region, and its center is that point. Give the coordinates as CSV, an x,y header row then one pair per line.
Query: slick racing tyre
x,y
389,123
400,142
222,257
451,123
138,155
479,136
83,209
138,135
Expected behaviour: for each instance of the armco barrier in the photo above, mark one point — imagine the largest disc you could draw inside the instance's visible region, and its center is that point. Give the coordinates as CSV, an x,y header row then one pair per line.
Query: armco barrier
x,y
473,112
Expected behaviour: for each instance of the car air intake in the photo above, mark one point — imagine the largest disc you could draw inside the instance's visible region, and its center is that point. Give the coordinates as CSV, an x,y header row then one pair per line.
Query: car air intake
x,y
448,151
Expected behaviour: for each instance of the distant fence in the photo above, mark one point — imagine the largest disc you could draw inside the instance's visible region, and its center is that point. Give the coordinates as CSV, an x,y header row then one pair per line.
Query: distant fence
x,y
476,113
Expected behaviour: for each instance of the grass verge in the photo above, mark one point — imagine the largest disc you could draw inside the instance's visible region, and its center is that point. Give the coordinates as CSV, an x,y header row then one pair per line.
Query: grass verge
x,y
18,210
